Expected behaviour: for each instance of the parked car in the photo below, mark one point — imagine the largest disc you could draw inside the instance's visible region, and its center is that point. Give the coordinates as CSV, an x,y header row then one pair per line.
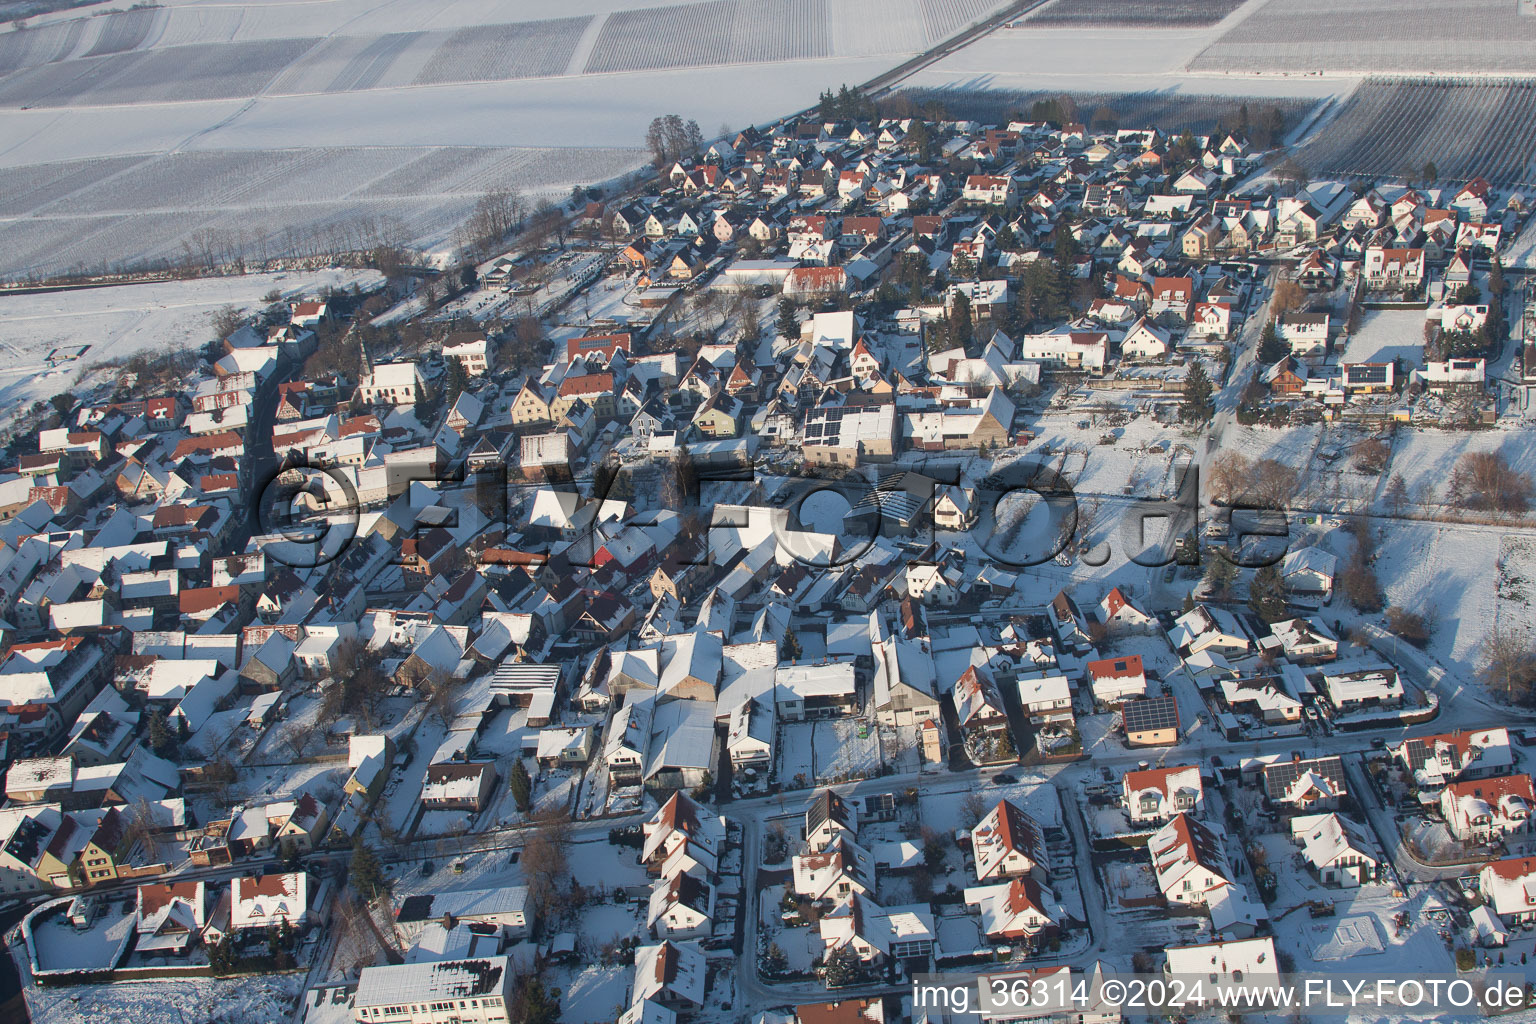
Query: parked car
x,y
1004,779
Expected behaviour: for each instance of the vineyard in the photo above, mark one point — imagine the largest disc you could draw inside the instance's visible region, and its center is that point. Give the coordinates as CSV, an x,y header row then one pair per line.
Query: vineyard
x,y
1385,36
1392,127
1147,13
1171,112
204,71
491,53
131,211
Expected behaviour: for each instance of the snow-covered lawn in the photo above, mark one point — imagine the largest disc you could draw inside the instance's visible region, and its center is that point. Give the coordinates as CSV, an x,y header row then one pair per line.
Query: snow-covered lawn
x,y
60,946
260,999
1385,335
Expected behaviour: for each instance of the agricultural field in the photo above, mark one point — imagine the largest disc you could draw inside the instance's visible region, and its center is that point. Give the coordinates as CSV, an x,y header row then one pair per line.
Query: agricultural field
x,y
1467,128
1300,37
1149,13
262,204
1172,112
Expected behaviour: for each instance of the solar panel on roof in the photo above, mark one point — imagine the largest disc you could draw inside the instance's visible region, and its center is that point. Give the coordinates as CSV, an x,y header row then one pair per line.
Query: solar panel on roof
x,y
1155,713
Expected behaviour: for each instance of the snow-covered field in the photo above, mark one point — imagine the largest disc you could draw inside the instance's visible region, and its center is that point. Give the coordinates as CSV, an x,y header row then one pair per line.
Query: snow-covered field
x,y
118,322
289,120
263,998
1303,37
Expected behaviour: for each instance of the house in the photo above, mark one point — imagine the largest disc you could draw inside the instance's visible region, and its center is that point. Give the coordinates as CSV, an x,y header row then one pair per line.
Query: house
x,y
1211,320
1155,795
1204,628
1117,609
1339,850
1367,378
1145,342
1487,810
750,735
982,717
475,991
905,687
1453,374
1244,961
878,934
1008,843
458,786
1173,298
505,908
267,900
1152,722
1067,350
953,508
1357,685
1117,680
1308,575
1018,910
1509,887
170,917
827,818
1388,269
1301,641
1305,333
682,825
990,190
671,975
1445,757
1190,861
681,907
833,872
1306,785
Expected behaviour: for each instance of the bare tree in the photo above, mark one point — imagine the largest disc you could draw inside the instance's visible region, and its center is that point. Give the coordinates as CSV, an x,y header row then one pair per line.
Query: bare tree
x,y
1509,663
1486,481
1229,476
545,867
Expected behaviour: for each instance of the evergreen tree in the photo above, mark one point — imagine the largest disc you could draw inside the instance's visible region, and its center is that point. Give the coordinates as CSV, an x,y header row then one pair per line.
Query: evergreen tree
x,y
788,324
1266,594
961,329
533,1003
773,961
1272,347
1197,407
1220,574
160,739
840,968
789,647
1496,278
521,786
366,873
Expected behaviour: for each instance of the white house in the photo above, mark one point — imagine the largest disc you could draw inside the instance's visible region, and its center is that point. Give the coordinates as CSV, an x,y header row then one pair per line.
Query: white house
x,y
1116,680
1509,886
1308,574
391,384
876,934
1339,850
681,907
1190,861
268,900
1008,843
1487,810
1244,961
1305,333
831,873
1157,794
1117,609
477,991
